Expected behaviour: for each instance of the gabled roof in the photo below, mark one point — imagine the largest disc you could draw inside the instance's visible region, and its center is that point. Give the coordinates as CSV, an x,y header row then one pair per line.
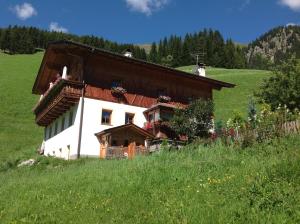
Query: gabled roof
x,y
133,61
128,127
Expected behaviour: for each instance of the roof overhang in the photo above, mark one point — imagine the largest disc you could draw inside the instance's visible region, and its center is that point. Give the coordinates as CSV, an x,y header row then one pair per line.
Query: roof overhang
x,y
70,47
128,127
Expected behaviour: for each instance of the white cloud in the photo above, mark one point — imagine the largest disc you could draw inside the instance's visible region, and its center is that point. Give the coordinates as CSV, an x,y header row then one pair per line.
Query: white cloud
x,y
245,4
24,11
292,4
56,28
146,6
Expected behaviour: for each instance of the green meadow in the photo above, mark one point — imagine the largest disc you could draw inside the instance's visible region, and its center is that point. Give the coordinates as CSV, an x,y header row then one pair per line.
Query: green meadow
x,y
236,99
199,184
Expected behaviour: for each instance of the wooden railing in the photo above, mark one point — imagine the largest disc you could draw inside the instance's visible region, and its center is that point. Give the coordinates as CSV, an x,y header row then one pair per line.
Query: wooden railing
x,y
57,100
119,152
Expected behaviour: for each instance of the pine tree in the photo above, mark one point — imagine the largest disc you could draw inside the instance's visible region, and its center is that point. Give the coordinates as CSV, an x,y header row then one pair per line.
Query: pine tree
x,y
153,56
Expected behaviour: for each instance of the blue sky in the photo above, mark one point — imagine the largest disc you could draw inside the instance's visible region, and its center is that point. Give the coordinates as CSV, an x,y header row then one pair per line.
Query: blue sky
x,y
145,21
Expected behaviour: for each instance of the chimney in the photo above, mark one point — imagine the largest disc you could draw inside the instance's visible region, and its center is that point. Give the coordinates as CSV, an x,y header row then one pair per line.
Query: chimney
x,y
64,75
201,69
128,53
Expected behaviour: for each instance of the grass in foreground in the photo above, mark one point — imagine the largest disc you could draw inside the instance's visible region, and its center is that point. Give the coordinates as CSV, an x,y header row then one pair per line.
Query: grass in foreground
x,y
197,185
227,100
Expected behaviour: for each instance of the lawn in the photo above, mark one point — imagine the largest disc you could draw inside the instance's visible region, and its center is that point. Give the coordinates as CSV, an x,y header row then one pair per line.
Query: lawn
x,y
213,184
236,99
19,135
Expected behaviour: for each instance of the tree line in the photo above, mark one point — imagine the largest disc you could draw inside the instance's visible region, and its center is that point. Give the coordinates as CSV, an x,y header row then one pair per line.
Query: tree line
x,y
27,40
209,45
172,51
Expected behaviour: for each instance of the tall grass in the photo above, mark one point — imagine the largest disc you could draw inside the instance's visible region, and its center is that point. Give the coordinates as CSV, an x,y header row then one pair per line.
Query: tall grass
x,y
199,184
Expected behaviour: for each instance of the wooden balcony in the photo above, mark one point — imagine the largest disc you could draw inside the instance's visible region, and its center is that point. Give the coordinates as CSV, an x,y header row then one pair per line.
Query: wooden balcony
x,y
60,98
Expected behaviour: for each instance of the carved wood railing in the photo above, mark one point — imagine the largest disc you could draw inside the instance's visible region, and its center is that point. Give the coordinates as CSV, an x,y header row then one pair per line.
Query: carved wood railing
x,y
57,100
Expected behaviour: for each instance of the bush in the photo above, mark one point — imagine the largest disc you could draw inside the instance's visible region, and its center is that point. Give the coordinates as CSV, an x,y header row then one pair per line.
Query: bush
x,y
194,121
283,88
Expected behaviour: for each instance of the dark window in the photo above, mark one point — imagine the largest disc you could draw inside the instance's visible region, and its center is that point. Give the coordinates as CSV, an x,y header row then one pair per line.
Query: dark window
x,y
63,124
116,83
45,133
126,143
129,118
50,132
106,117
113,143
55,128
70,118
151,117
161,92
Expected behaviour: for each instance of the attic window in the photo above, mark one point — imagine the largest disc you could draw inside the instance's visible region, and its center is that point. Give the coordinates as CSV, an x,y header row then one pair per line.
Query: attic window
x,y
161,92
116,83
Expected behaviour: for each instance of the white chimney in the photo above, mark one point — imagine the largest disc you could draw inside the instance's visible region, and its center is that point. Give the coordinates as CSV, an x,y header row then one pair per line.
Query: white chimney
x,y
64,75
201,69
128,53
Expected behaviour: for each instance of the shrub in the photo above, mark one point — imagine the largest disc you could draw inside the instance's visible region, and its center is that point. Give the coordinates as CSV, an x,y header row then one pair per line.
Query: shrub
x,y
194,121
283,88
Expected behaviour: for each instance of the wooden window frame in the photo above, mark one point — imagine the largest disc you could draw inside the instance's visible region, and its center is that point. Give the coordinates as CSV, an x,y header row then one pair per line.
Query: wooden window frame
x,y
110,117
130,114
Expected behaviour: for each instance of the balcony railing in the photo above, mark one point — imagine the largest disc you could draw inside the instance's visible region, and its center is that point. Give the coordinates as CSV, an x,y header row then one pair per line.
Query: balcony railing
x,y
57,100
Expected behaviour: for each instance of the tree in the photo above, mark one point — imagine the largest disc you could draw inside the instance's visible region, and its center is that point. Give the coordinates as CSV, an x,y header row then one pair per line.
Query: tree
x,y
153,56
283,88
194,121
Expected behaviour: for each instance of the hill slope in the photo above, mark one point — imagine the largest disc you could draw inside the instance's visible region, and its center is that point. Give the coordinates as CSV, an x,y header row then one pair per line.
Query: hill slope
x,y
274,46
227,100
19,134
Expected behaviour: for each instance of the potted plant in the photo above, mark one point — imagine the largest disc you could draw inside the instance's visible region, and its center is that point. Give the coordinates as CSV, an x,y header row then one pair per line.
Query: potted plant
x,y
164,99
118,91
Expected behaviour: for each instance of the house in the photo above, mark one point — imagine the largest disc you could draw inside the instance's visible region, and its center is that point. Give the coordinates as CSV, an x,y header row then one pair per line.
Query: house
x,y
89,95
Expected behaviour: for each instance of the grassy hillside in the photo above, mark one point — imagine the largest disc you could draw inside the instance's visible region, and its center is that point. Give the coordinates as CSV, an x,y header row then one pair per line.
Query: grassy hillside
x,y
236,99
197,185
18,133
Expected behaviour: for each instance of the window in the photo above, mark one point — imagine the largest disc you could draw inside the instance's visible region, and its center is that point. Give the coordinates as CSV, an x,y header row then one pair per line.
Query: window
x,y
126,143
161,92
70,118
50,132
116,83
62,124
151,117
129,118
45,133
55,128
106,117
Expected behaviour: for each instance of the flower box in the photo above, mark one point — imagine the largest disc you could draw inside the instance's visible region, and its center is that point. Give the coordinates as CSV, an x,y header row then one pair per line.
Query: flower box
x,y
118,91
164,99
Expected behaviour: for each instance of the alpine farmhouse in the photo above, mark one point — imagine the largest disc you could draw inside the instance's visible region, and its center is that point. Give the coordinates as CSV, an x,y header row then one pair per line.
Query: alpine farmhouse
x,y
92,100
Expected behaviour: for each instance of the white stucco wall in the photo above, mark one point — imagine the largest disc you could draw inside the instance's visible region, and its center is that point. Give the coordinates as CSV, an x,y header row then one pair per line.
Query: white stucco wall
x,y
91,125
64,143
